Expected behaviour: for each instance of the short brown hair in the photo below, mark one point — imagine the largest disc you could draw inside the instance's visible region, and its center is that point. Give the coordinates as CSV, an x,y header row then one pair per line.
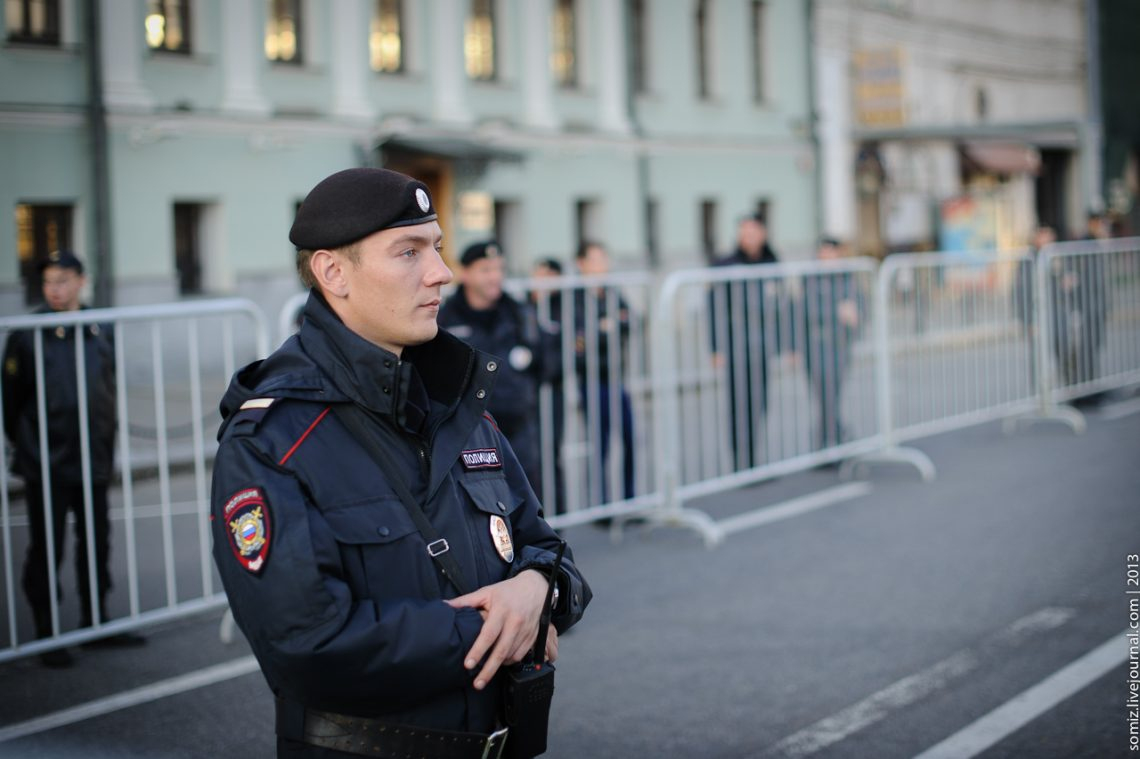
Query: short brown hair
x,y
305,257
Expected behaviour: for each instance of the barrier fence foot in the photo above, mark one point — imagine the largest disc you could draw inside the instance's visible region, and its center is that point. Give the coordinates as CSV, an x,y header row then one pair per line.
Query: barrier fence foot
x,y
1066,415
858,466
226,628
693,519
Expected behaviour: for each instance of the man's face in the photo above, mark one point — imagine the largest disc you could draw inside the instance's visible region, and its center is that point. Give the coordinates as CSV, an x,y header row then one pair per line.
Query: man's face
x,y
62,288
751,236
595,261
391,295
483,281
828,252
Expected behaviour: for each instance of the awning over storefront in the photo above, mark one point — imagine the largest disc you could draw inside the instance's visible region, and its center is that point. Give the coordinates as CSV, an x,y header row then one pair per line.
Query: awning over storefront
x,y
1003,157
453,148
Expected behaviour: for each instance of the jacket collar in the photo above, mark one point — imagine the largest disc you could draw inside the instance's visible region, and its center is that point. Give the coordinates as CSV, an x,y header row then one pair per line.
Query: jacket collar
x,y
376,378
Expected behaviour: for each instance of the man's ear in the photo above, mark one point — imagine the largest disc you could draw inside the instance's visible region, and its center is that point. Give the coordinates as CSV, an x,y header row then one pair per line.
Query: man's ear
x,y
328,271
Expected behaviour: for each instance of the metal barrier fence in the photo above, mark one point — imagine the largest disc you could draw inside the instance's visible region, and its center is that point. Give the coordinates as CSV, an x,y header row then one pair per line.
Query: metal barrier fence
x,y
762,370
955,346
171,363
661,393
596,423
1089,330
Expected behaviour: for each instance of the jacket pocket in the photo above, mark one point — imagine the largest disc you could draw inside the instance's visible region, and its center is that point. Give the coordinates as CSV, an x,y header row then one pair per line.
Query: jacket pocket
x,y
381,520
381,552
491,494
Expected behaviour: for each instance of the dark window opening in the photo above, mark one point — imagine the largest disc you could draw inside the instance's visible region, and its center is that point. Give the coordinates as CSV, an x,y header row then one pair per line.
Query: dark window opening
x,y
40,229
187,247
283,31
168,25
32,21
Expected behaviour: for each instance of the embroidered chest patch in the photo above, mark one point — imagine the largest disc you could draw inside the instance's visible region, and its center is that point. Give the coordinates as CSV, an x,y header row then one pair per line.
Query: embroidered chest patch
x,y
247,520
481,458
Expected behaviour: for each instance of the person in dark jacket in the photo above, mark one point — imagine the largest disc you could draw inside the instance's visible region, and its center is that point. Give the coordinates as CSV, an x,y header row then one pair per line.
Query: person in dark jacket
x,y
601,331
480,313
831,317
743,331
363,638
63,283
548,306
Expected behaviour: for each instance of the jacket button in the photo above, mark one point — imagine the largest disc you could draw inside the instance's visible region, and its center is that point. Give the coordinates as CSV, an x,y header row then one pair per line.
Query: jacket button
x,y
383,531
387,364
502,506
492,366
481,394
387,390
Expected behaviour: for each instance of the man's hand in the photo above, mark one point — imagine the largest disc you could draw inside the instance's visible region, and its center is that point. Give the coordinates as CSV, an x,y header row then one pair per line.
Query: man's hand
x,y
510,611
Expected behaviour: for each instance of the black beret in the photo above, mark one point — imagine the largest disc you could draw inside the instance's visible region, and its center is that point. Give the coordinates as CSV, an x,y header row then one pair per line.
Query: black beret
x,y
64,259
352,204
477,250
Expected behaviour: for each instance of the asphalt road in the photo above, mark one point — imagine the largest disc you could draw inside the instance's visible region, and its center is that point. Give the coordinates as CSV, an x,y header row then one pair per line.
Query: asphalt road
x,y
967,616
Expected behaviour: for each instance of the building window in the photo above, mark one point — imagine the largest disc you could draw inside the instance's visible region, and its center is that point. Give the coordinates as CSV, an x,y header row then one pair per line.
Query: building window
x,y
283,31
386,38
587,221
35,21
188,247
479,40
758,93
704,48
40,229
638,54
563,60
708,229
168,25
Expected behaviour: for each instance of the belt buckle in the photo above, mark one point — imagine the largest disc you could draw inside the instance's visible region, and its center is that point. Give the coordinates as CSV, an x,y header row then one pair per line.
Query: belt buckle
x,y
496,741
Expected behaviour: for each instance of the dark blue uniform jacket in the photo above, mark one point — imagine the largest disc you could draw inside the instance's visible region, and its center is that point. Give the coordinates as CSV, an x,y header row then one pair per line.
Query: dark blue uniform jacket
x,y
21,418
326,573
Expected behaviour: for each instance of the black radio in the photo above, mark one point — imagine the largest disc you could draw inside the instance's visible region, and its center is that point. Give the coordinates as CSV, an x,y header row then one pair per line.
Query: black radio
x,y
529,687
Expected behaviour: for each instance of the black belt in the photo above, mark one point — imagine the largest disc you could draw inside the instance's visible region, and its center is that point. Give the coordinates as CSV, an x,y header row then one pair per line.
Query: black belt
x,y
365,736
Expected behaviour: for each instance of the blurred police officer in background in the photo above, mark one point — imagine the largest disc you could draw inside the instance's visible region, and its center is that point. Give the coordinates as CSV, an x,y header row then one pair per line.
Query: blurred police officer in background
x,y
742,335
63,283
548,305
599,317
831,315
480,313
377,538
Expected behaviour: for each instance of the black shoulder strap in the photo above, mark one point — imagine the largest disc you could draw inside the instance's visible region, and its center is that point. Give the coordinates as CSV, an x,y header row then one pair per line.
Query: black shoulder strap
x,y
356,419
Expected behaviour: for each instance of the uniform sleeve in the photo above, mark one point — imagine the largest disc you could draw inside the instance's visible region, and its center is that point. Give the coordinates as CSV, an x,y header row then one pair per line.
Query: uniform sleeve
x,y
538,542
16,368
315,642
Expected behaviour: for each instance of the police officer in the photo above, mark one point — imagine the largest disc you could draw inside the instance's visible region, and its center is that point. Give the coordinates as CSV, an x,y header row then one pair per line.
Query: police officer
x,y
481,314
369,646
63,282
742,334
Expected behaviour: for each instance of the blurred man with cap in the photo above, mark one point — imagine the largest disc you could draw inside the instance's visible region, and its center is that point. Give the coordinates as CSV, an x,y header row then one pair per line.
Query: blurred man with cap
x,y
481,314
743,339
63,283
378,541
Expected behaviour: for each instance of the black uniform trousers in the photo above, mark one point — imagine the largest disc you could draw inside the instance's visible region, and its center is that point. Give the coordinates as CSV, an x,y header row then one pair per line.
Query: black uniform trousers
x,y
66,497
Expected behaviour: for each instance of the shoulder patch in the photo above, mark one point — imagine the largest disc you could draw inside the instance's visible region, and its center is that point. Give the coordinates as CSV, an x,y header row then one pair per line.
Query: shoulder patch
x,y
246,515
249,415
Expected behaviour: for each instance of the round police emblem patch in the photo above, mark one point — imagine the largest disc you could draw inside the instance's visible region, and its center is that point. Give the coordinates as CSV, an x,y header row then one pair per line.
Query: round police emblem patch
x,y
247,521
501,537
422,199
